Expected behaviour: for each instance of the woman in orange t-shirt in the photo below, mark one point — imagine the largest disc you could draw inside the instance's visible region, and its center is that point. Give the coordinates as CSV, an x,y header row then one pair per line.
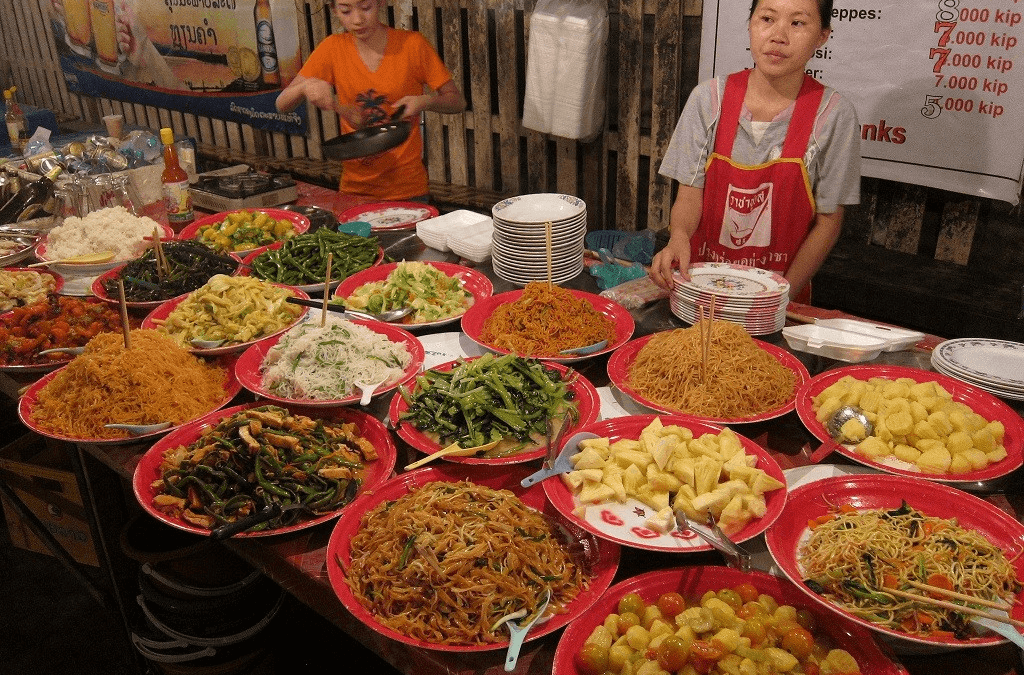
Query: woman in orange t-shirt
x,y
364,74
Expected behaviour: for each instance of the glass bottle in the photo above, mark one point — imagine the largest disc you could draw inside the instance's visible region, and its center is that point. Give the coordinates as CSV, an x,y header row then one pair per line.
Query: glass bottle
x,y
17,130
175,185
266,48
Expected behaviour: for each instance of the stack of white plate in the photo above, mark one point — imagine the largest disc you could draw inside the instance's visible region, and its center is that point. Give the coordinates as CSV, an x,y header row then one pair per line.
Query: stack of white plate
x,y
754,298
519,243
997,366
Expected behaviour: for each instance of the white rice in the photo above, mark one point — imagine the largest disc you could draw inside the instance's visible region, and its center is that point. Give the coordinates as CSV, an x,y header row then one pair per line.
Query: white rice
x,y
111,229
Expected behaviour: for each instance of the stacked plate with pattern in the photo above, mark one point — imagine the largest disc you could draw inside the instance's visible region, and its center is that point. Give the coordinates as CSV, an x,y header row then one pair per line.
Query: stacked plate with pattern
x,y
997,366
754,298
520,240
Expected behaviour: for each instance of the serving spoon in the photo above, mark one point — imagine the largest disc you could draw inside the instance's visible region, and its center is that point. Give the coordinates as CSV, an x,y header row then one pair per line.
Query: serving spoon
x,y
140,429
387,317
517,633
74,351
452,450
834,427
588,349
368,389
101,257
206,344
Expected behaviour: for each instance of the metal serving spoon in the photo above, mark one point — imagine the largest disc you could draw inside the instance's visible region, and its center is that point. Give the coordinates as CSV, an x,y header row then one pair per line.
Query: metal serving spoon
x,y
588,349
75,351
387,317
206,344
834,427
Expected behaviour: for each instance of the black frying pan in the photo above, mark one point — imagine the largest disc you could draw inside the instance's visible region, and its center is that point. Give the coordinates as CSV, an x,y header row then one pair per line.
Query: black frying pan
x,y
369,140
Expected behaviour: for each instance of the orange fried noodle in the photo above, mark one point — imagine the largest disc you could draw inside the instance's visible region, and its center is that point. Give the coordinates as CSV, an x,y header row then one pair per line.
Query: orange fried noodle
x,y
545,320
741,379
445,561
154,381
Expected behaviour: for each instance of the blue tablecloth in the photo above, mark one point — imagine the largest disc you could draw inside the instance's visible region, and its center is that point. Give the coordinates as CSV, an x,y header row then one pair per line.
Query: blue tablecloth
x,y
34,117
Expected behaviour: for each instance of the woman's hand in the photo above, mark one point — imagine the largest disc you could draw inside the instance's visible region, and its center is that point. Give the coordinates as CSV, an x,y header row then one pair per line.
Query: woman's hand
x,y
676,254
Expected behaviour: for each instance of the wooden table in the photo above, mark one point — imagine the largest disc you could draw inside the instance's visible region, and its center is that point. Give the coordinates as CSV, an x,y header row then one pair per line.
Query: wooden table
x,y
297,561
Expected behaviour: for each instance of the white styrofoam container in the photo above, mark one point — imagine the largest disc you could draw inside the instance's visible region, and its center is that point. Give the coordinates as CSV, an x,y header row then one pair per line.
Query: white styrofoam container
x,y
895,339
833,343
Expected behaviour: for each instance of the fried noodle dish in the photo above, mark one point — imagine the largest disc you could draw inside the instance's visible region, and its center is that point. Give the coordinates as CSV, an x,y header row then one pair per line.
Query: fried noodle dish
x,y
857,558
153,381
545,320
444,562
741,379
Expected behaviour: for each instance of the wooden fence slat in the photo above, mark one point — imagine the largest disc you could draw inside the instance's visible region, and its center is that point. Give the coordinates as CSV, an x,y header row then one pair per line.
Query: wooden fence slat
x,y
451,29
628,123
664,114
956,230
508,86
479,69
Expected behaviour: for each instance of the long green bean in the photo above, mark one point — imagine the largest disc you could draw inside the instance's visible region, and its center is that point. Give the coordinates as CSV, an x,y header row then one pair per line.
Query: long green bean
x,y
302,260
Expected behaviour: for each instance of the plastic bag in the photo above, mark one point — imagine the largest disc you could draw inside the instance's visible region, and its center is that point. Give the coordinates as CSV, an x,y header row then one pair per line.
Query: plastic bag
x,y
636,293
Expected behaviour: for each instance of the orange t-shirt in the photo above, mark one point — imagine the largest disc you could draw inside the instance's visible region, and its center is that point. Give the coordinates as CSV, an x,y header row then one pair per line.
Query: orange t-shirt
x,y
409,62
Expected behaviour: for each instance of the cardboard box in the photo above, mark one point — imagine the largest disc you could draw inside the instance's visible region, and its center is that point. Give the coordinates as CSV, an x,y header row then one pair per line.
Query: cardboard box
x,y
40,474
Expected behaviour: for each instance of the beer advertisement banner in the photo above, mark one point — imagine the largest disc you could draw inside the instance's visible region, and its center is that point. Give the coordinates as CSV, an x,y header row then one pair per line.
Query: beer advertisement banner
x,y
225,59
937,85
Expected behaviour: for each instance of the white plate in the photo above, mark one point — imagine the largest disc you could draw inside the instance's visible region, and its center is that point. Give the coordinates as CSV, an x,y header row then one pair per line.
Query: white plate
x,y
729,280
538,208
996,362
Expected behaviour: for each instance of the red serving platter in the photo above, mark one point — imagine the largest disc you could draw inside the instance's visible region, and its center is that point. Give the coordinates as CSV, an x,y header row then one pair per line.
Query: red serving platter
x,y
58,280
248,367
165,309
586,397
478,285
384,216
308,288
29,399
622,360
378,471
474,318
982,402
299,221
880,491
496,477
624,523
692,583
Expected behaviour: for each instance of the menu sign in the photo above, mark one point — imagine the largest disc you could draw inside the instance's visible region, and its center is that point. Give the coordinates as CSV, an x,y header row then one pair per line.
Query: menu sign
x,y
938,85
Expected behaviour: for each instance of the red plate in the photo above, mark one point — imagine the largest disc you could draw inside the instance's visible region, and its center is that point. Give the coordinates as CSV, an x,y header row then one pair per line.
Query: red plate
x,y
383,216
148,469
983,403
308,288
476,283
100,291
588,405
621,361
625,523
29,399
692,583
61,360
58,280
300,222
247,369
878,491
496,477
164,310
473,322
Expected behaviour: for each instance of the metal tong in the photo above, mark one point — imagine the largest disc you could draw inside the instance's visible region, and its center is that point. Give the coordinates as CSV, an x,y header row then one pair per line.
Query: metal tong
x,y
735,555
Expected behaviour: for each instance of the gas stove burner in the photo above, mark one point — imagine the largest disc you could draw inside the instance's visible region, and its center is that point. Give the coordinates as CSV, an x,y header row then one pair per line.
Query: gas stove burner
x,y
244,185
243,190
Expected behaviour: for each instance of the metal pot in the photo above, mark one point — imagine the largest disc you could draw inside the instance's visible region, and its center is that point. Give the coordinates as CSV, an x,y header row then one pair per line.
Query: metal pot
x,y
367,141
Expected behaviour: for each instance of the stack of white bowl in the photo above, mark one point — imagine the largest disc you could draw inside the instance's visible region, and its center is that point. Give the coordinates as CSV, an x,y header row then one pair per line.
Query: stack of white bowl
x,y
519,242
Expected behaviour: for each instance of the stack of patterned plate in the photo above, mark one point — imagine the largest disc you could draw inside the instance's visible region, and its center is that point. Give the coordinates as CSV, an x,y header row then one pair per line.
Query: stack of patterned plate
x,y
754,298
519,244
997,366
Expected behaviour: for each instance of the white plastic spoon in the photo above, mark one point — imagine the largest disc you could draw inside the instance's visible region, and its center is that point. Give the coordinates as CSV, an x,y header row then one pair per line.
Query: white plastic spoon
x,y
518,633
140,429
368,389
587,349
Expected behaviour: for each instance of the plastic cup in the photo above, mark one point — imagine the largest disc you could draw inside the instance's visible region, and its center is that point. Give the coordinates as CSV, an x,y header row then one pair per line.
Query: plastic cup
x,y
115,125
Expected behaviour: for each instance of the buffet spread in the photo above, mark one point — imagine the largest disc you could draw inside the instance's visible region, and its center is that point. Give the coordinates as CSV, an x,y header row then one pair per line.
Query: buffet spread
x,y
383,470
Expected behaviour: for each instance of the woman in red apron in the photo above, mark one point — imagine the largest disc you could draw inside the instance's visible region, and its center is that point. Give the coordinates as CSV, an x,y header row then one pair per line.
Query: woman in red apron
x,y
784,157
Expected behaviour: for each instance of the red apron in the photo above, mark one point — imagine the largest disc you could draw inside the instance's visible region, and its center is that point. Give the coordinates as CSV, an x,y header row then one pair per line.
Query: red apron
x,y
757,215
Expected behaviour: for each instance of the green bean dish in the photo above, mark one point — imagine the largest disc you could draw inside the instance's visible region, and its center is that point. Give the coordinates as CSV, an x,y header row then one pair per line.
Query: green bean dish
x,y
505,398
258,458
302,260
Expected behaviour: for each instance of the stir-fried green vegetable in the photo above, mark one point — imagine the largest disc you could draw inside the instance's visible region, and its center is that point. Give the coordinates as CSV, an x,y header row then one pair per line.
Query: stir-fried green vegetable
x,y
488,399
302,259
259,457
432,294
191,265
